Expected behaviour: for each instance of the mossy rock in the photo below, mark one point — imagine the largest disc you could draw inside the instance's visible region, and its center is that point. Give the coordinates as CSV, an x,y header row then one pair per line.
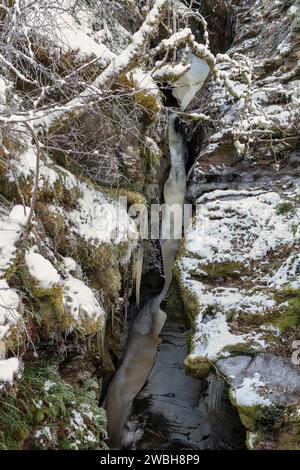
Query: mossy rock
x,y
101,265
289,435
198,367
147,102
284,208
174,307
189,298
289,316
226,269
150,156
57,229
248,414
46,305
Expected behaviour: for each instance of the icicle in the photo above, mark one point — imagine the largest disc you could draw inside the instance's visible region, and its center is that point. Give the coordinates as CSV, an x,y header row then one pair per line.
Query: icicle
x,y
215,390
137,273
2,350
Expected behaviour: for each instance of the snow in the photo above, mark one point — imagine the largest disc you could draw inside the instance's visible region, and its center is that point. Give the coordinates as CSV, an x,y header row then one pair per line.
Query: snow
x,y
247,394
25,167
293,9
2,92
48,385
77,420
229,298
232,226
9,368
81,301
171,71
9,303
284,47
10,232
78,38
97,220
213,332
287,273
213,336
252,436
69,264
19,214
44,432
144,81
41,270
38,404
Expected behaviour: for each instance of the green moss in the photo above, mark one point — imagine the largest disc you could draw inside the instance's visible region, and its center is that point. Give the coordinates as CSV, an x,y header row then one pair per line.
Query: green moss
x,y
101,265
151,156
46,305
29,408
174,306
198,367
249,415
67,162
289,316
133,197
289,434
230,269
284,208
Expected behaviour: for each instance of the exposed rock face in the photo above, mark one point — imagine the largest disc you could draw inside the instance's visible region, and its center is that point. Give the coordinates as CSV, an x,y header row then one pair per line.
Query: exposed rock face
x,y
257,137
238,268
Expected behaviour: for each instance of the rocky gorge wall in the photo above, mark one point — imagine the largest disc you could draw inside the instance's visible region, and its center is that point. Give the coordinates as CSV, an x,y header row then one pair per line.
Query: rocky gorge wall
x,y
67,276
238,271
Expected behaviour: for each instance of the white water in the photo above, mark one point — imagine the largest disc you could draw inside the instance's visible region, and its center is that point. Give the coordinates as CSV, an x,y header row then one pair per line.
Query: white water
x,y
144,337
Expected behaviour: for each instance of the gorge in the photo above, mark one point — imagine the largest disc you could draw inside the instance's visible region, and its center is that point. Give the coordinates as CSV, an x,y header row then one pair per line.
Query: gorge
x,y
112,340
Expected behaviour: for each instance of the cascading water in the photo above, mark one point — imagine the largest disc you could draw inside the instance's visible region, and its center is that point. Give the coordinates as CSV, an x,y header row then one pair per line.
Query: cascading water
x,y
144,337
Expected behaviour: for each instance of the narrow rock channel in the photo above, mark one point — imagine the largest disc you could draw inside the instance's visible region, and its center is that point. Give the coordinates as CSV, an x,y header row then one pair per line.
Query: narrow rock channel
x,y
176,398
144,337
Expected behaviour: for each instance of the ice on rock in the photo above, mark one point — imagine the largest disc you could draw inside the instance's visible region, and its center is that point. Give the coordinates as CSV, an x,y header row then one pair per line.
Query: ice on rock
x,y
186,87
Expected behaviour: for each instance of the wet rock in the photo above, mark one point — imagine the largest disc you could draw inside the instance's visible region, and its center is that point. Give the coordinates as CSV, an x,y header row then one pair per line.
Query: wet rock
x,y
172,408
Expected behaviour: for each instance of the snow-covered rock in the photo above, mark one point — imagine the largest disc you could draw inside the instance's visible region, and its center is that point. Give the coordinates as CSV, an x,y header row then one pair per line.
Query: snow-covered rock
x,y
9,369
41,270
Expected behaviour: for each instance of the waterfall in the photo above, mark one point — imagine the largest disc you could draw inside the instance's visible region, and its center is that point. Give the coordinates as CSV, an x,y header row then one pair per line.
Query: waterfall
x,y
144,337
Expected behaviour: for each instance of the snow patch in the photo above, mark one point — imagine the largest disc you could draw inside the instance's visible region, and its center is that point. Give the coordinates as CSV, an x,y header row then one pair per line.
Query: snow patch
x,y
41,270
247,394
19,214
97,220
9,304
80,301
9,369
